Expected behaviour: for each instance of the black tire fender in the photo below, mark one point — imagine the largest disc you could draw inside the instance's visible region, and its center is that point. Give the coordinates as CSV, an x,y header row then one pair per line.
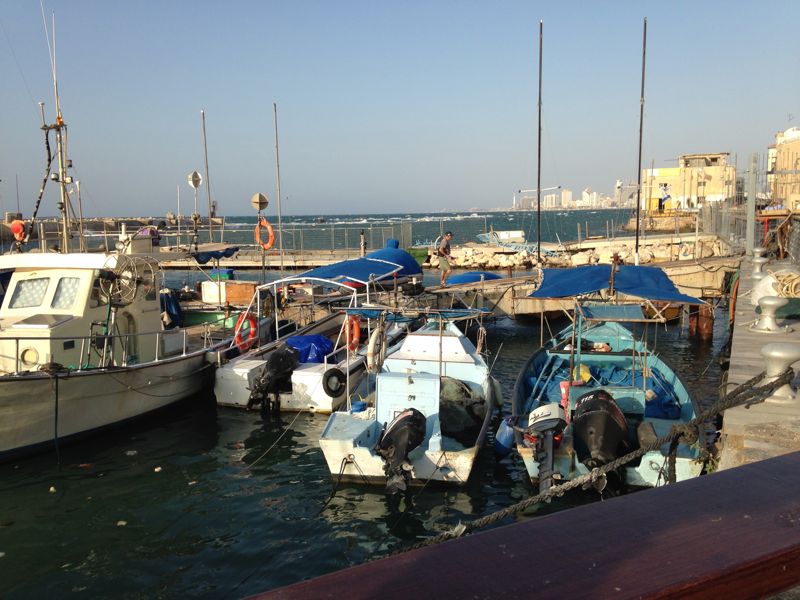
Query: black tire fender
x,y
333,382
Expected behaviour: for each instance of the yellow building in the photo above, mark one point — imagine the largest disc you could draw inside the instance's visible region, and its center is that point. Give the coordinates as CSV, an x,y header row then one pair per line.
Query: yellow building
x,y
697,179
783,169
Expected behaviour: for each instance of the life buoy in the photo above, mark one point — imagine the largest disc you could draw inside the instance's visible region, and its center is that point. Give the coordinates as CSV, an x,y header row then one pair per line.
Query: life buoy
x,y
262,222
352,332
376,350
18,229
333,382
244,340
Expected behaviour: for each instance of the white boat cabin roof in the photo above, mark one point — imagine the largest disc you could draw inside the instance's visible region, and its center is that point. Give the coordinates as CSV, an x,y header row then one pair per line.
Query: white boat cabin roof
x,y
55,260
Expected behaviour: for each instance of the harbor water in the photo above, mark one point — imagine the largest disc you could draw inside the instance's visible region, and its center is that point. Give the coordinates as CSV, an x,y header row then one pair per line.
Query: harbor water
x,y
210,502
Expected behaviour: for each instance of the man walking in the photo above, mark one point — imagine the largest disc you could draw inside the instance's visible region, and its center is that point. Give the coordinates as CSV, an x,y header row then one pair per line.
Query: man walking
x,y
443,252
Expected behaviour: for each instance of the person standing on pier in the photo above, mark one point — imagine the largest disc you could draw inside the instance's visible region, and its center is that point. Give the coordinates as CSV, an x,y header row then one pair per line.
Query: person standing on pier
x,y
443,251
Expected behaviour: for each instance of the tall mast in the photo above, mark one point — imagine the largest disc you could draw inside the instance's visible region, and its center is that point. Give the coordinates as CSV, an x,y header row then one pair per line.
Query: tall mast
x,y
539,157
208,180
61,149
641,123
278,178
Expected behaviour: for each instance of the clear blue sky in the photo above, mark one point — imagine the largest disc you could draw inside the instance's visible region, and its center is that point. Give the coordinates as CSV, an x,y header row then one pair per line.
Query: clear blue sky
x,y
384,107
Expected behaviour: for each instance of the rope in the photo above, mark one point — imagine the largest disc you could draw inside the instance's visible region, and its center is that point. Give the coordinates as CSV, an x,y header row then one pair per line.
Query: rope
x,y
746,394
283,433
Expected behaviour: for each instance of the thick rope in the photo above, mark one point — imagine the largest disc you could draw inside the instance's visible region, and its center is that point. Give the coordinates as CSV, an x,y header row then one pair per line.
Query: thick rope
x,y
744,395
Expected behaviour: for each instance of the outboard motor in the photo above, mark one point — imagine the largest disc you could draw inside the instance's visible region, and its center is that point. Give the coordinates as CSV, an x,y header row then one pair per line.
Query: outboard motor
x,y
397,440
545,426
599,429
276,375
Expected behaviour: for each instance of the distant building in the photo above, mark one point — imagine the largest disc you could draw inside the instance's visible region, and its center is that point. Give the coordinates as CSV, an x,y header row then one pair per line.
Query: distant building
x,y
783,168
697,179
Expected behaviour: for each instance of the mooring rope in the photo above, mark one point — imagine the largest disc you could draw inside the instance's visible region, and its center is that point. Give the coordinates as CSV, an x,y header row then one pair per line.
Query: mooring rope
x,y
745,395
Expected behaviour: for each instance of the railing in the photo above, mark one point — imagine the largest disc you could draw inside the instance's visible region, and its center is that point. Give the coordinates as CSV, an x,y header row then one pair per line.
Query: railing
x,y
107,343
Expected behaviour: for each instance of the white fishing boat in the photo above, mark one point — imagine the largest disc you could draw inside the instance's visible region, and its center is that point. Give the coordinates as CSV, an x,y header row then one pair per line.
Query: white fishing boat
x,y
427,413
321,353
83,346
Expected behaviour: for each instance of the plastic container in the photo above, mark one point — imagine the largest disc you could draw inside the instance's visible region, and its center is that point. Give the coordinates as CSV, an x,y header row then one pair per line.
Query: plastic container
x,y
358,406
504,438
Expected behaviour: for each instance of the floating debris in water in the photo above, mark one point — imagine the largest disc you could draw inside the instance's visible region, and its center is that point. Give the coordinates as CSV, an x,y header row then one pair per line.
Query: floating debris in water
x,y
121,523
2,554
192,483
52,489
157,469
131,453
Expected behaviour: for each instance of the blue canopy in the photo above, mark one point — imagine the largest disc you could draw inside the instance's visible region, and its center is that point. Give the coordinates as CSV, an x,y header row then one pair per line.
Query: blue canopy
x,y
375,266
650,283
207,255
358,270
393,254
472,277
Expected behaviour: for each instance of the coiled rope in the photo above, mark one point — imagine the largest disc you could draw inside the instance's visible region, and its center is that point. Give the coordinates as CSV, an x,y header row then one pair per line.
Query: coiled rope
x,y
745,395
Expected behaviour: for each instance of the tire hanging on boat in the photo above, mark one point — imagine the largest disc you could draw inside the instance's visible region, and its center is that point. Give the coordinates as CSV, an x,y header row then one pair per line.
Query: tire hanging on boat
x,y
333,382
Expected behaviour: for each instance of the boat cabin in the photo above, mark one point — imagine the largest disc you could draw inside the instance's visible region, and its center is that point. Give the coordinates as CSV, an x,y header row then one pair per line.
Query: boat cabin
x,y
79,311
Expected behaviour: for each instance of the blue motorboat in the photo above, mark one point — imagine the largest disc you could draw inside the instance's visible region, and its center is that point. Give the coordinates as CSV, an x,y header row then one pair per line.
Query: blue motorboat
x,y
596,391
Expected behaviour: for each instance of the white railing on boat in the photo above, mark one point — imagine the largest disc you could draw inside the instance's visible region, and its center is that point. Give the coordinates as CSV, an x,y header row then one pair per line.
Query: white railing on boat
x,y
106,342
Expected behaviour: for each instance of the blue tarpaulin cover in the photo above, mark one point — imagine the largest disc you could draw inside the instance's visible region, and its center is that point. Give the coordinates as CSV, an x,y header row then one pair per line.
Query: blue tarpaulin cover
x,y
359,270
203,257
312,348
472,277
643,282
392,253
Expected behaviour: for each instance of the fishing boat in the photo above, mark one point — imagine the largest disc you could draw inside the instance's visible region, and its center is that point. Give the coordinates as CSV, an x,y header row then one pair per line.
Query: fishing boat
x,y
426,411
83,346
595,391
318,352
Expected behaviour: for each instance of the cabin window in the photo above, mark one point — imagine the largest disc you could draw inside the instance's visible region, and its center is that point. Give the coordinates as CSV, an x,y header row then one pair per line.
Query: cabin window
x,y
29,292
66,292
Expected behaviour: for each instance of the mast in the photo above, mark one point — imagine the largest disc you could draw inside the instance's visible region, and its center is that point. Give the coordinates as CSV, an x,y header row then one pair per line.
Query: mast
x,y
278,178
539,157
208,180
639,169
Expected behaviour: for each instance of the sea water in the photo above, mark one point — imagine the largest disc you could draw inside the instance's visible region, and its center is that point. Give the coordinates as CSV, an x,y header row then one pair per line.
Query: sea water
x,y
213,502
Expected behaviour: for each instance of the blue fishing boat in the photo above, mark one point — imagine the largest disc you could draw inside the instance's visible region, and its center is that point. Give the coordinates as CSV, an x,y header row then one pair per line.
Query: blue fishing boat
x,y
426,411
596,391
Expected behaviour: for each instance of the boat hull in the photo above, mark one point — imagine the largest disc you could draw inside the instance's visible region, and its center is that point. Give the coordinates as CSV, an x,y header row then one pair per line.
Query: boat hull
x,y
540,381
33,414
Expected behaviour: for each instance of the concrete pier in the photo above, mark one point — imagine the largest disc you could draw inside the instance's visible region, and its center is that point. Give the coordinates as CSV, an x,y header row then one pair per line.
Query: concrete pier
x,y
769,428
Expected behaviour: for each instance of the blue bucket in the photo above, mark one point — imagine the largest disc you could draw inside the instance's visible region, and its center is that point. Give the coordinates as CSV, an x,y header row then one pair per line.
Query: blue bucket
x,y
504,438
358,406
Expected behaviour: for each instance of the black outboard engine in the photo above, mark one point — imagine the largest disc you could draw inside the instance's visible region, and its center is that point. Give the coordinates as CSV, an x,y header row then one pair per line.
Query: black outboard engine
x,y
397,440
276,376
599,429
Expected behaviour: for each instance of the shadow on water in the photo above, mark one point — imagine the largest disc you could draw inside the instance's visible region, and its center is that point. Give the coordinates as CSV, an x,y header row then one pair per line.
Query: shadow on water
x,y
207,502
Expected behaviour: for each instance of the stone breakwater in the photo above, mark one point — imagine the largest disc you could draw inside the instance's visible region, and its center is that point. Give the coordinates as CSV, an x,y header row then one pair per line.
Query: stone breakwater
x,y
493,257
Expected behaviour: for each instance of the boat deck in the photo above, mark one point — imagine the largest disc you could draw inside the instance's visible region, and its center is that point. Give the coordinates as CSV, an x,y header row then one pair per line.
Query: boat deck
x,y
767,429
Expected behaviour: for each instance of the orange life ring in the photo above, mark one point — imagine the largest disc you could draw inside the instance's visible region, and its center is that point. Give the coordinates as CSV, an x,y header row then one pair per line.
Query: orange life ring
x,y
244,340
352,332
262,222
18,229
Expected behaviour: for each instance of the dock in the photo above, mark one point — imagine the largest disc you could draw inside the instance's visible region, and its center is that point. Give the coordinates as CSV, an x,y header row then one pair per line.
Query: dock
x,y
733,534
771,428
705,278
